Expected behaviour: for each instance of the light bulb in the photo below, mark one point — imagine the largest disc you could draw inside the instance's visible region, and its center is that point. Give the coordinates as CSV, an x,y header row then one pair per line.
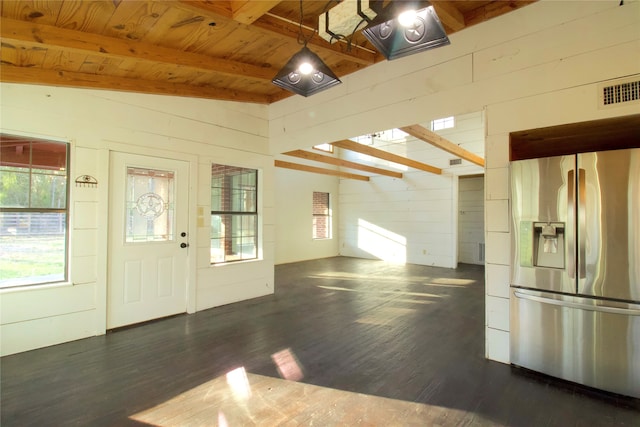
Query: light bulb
x,y
305,68
407,18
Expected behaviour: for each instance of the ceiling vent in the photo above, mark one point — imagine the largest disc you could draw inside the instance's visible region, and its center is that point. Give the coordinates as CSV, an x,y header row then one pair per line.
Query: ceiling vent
x,y
453,162
622,91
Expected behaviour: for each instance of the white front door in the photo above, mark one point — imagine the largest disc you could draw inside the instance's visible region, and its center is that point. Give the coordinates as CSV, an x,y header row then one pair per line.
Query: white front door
x,y
148,245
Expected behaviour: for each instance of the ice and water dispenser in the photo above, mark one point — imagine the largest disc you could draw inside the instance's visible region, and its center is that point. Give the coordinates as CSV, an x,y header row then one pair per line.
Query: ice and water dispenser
x,y
542,244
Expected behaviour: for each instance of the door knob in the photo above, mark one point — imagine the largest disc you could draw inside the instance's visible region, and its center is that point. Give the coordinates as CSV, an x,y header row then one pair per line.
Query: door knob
x,y
184,245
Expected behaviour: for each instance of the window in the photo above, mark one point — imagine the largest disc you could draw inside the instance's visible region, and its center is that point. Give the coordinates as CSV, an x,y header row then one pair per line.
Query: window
x,y
445,123
324,147
321,216
234,213
33,211
150,202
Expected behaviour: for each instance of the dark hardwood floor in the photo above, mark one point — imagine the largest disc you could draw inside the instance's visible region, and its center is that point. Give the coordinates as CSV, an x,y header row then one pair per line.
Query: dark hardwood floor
x,y
412,335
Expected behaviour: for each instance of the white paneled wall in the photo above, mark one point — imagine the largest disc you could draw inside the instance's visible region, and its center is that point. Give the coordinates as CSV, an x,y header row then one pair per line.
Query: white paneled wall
x,y
537,66
95,122
400,220
294,240
413,219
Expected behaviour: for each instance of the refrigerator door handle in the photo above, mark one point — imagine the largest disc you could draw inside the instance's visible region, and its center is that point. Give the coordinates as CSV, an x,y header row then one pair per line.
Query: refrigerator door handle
x,y
571,214
600,308
582,211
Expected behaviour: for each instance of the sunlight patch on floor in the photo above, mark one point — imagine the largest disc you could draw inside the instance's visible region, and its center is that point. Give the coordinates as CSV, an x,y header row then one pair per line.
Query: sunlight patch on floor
x,y
239,384
288,365
426,281
376,291
384,315
451,281
273,401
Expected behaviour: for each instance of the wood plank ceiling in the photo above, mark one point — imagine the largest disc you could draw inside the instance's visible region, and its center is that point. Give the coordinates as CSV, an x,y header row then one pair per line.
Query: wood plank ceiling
x,y
225,50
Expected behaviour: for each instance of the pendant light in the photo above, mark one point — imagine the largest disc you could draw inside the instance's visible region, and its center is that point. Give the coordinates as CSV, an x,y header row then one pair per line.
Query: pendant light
x,y
409,30
305,73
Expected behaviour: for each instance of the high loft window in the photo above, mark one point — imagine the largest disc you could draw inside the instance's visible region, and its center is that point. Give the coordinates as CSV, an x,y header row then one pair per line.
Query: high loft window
x,y
34,214
324,147
234,213
444,123
321,216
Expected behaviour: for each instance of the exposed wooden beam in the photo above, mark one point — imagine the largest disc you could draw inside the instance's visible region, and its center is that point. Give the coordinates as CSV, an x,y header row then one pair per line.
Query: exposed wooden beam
x,y
276,25
449,15
32,75
374,152
313,169
220,9
493,9
436,140
273,27
342,163
45,36
247,12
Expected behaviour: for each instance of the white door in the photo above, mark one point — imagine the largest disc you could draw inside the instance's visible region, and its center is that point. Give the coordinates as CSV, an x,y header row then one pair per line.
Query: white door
x,y
148,244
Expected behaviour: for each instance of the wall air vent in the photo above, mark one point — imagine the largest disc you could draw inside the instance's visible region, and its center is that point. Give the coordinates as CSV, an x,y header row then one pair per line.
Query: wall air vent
x,y
622,91
453,162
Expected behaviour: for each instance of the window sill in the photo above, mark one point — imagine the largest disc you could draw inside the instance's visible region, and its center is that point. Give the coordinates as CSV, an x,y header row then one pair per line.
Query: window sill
x,y
35,287
245,261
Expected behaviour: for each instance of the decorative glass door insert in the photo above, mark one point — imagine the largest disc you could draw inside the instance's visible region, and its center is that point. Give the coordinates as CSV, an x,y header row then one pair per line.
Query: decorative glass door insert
x,y
150,205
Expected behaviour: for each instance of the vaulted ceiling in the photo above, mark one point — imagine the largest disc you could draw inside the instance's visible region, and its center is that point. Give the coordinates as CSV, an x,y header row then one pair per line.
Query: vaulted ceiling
x,y
227,50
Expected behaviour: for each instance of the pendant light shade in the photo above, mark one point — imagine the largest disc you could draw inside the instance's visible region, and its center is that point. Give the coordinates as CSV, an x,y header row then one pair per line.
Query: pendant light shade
x,y
420,30
305,74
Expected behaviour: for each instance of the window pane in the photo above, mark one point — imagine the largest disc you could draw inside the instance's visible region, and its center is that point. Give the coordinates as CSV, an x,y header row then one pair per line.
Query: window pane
x,y
324,147
321,216
217,231
217,252
15,152
320,203
49,155
233,213
216,199
150,205
33,173
14,187
48,189
249,226
33,246
444,123
33,180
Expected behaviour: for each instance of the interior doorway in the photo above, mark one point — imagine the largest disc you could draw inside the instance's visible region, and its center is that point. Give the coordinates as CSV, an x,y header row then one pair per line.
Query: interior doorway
x,y
471,219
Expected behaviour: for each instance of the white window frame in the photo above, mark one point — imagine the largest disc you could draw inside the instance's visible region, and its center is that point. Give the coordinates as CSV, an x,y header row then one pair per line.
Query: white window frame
x,y
62,276
235,215
443,123
327,216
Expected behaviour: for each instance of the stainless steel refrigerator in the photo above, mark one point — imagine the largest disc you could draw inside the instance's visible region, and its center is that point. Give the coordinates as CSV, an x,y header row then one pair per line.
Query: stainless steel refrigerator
x,y
575,278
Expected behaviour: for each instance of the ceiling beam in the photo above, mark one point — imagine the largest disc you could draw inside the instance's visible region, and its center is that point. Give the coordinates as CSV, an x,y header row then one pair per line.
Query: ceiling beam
x,y
342,163
270,26
313,169
449,15
45,36
374,152
493,9
32,75
436,140
284,28
247,12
